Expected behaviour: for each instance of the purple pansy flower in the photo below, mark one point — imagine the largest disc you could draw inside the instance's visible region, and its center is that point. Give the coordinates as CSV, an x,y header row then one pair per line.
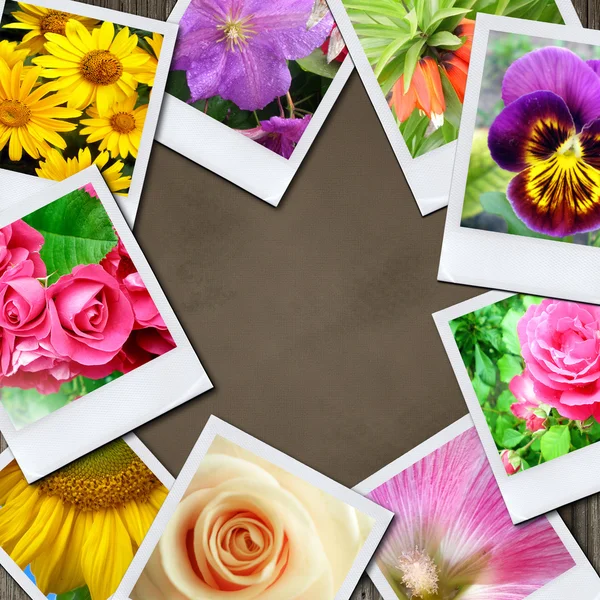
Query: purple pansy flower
x,y
238,49
549,133
279,134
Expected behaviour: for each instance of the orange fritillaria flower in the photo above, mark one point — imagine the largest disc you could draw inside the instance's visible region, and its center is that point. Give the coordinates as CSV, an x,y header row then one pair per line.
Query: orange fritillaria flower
x,y
456,70
466,29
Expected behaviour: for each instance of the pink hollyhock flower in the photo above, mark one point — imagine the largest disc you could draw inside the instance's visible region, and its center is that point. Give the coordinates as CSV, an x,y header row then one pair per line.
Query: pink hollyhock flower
x,y
238,49
279,134
560,343
509,459
20,242
90,315
451,528
522,389
23,304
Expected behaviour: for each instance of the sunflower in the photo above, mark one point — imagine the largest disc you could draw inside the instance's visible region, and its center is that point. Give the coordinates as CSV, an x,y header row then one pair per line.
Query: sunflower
x,y
83,524
120,129
40,21
30,120
147,72
56,167
92,67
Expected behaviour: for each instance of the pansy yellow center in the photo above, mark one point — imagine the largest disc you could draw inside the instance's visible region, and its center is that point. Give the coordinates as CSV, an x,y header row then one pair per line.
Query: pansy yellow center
x,y
54,22
101,67
236,31
107,478
569,153
123,122
420,574
14,113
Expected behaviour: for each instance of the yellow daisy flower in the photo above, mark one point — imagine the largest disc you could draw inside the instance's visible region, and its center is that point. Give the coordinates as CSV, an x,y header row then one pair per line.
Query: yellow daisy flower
x,y
57,168
40,21
12,55
83,524
147,72
120,129
30,119
92,67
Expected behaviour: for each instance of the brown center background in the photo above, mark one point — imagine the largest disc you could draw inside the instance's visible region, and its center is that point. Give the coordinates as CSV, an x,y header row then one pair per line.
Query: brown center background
x,y
313,320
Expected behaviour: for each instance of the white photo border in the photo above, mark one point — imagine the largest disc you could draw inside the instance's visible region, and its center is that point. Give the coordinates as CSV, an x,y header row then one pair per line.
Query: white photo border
x,y
543,487
581,577
216,427
124,404
231,155
501,260
430,193
12,183
147,458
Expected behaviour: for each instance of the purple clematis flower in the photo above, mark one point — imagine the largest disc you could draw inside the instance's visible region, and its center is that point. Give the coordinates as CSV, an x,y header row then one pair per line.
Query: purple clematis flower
x,y
238,49
279,134
549,133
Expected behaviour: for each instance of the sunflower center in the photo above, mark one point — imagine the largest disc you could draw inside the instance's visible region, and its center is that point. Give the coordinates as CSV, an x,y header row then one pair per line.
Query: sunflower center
x,y
101,67
108,478
54,22
236,32
419,573
123,122
14,113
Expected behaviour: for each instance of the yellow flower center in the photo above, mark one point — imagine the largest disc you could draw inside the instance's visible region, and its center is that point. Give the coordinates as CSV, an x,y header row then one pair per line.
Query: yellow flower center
x,y
101,67
236,32
54,22
107,478
14,113
419,573
123,122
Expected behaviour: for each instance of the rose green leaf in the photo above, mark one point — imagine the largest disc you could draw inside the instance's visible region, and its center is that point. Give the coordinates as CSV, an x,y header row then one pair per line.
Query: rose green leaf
x,y
555,442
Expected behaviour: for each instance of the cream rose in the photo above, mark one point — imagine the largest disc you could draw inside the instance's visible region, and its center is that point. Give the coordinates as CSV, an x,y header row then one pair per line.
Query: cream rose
x,y
246,529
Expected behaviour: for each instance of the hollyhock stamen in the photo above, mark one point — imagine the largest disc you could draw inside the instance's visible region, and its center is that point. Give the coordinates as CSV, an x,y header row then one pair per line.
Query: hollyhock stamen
x,y
236,32
420,574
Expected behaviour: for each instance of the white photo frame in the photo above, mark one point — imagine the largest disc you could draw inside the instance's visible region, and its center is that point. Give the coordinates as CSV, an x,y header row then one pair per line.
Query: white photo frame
x,y
231,155
13,183
101,415
430,192
147,458
502,260
543,487
581,577
216,427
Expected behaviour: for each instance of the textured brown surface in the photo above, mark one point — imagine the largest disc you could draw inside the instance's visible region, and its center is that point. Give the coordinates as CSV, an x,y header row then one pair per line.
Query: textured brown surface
x,y
314,319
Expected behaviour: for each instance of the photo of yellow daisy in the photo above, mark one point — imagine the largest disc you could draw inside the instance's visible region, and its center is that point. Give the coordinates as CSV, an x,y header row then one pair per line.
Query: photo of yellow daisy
x,y
74,533
76,91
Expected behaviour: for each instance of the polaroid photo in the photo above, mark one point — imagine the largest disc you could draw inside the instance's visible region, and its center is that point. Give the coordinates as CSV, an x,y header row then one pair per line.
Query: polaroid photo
x,y
89,346
529,370
524,212
73,534
245,517
250,87
452,537
79,85
413,58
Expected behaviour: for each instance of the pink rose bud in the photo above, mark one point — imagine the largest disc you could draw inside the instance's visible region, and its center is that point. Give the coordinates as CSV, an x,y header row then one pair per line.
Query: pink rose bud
x,y
511,461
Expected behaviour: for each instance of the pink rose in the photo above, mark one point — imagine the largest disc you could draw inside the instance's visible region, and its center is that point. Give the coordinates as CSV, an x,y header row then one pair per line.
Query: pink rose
x,y
89,189
560,342
91,317
20,242
118,262
522,389
145,311
23,304
509,459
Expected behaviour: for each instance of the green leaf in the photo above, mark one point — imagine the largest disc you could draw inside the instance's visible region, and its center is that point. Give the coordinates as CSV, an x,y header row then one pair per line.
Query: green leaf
x,y
509,331
410,62
453,110
177,85
512,438
445,13
482,391
509,365
411,17
316,62
446,40
555,442
484,367
390,51
76,231
82,593
504,401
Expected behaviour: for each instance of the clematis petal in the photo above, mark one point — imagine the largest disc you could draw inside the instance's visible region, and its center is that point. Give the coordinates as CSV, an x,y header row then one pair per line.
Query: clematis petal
x,y
560,71
558,196
529,130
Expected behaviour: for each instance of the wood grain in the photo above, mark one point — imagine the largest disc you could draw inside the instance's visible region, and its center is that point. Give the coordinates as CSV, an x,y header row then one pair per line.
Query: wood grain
x,y
582,518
